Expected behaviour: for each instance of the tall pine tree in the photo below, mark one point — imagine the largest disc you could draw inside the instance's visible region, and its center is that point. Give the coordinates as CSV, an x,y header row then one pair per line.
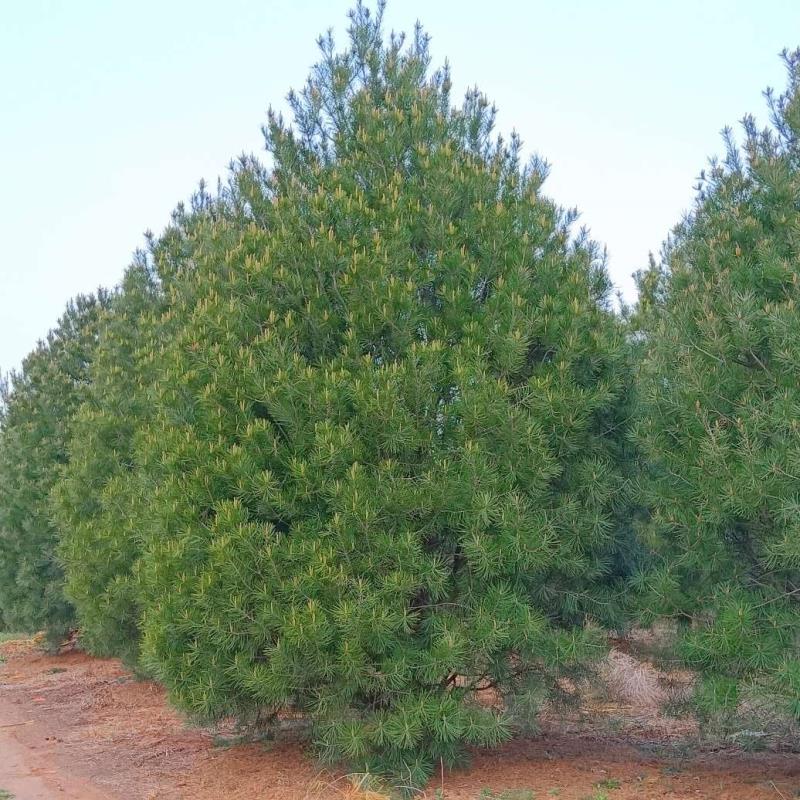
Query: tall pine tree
x,y
102,496
35,418
720,416
385,473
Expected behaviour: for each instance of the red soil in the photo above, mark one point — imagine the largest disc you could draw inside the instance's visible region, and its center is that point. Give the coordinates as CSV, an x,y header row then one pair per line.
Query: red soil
x,y
80,728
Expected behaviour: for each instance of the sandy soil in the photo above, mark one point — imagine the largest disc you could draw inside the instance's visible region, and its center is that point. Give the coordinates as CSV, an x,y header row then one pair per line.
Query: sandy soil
x,y
74,727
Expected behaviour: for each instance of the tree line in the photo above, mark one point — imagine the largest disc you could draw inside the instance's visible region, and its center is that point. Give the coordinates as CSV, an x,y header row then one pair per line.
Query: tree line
x,y
361,434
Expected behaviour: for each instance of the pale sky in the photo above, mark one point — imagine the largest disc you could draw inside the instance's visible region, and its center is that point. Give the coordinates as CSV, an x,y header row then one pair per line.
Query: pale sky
x,y
113,110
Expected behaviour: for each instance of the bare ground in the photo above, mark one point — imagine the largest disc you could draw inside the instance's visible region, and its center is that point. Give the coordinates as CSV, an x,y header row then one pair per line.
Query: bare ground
x,y
74,727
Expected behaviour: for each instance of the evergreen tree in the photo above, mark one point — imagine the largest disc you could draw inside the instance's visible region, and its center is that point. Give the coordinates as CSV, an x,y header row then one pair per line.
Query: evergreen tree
x,y
719,417
385,472
96,500
100,500
38,404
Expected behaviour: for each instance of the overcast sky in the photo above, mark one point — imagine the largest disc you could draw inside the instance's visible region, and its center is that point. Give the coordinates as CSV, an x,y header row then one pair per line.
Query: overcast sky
x,y
113,110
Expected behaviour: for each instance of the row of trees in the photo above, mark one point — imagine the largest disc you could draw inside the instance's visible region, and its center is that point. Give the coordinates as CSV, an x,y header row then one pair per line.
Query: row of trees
x,y
360,436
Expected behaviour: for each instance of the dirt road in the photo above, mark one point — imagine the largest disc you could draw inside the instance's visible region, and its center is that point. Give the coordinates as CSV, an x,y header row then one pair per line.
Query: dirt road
x,y
29,775
78,728
30,763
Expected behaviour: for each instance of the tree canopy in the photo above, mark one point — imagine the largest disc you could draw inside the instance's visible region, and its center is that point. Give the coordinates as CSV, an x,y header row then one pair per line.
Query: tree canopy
x,y
386,459
36,412
721,410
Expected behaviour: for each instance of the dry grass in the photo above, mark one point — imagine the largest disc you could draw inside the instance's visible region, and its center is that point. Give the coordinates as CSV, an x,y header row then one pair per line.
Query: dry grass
x,y
626,679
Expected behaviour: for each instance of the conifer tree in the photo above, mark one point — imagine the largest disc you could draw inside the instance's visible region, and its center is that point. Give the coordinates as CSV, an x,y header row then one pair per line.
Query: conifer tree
x,y
100,499
96,499
385,474
38,404
720,416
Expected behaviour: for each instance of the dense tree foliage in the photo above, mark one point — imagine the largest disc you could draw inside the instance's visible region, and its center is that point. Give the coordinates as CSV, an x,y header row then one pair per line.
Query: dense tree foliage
x,y
102,498
386,462
38,404
356,437
721,416
96,502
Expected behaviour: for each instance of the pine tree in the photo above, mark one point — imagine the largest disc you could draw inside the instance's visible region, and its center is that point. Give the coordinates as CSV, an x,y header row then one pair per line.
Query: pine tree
x,y
385,473
100,498
96,499
38,404
719,417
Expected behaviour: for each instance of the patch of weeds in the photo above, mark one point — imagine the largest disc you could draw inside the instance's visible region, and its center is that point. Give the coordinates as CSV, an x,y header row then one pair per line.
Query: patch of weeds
x,y
4,795
751,741
608,783
5,636
508,794
554,792
374,787
678,708
54,671
677,751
